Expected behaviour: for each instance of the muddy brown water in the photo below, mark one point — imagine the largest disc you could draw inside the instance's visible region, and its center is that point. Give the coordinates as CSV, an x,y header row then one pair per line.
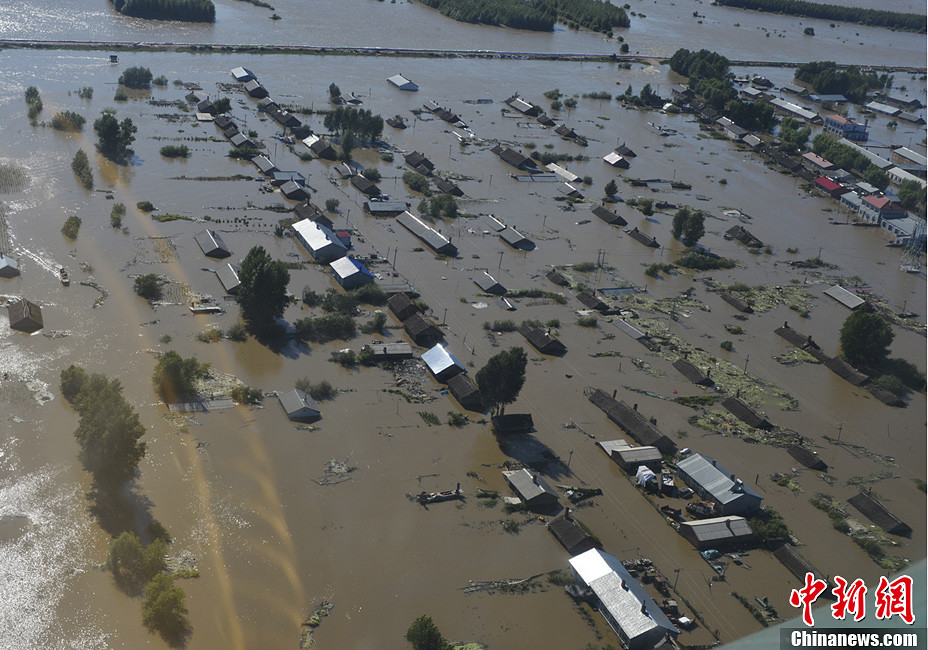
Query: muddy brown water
x,y
236,489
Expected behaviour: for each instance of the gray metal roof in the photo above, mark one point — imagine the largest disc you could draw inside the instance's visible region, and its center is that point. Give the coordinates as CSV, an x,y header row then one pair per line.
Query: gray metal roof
x,y
438,360
629,329
639,454
845,297
388,207
298,405
264,164
715,479
530,486
321,242
402,82
719,528
623,597
211,244
516,239
610,446
489,284
243,74
435,240
8,266
228,277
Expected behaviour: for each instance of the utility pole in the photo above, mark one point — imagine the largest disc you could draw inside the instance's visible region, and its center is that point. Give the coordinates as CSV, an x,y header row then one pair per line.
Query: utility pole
x,y
747,359
500,260
569,458
840,427
677,571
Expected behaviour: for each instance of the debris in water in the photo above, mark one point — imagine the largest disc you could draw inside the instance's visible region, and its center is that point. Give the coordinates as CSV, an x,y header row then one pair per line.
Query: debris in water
x,y
308,628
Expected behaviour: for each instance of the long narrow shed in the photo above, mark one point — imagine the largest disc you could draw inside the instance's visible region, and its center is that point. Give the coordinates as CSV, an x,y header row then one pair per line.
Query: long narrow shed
x,y
632,422
432,238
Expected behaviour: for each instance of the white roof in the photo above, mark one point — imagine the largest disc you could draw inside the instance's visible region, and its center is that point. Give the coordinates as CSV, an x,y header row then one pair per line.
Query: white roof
x,y
612,157
794,108
529,485
345,267
908,154
316,237
570,177
722,485
719,528
900,175
610,446
205,117
402,82
845,297
438,359
622,596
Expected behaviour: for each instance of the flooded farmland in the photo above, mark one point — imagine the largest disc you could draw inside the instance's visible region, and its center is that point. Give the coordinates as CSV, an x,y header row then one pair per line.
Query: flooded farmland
x,y
256,503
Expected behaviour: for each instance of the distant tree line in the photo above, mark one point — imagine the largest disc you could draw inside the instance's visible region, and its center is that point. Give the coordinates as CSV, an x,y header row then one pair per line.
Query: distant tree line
x,y
195,11
825,77
874,17
535,15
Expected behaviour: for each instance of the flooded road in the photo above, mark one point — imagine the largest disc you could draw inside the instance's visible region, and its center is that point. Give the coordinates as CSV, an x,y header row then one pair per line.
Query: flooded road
x,y
240,489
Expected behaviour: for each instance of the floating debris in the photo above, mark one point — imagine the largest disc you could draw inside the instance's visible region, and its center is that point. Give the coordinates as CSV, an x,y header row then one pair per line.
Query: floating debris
x,y
308,627
335,472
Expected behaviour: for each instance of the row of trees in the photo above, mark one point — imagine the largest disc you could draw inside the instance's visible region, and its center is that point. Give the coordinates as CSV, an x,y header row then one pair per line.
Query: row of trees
x,y
518,14
359,121
845,157
875,17
196,11
688,226
826,77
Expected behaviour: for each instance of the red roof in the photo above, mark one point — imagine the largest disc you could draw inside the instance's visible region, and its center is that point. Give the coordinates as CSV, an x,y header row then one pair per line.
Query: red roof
x,y
839,119
879,202
827,184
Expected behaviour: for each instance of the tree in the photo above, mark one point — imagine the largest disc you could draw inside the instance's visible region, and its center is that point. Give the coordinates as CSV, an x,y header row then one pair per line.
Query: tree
x,y
611,188
148,286
126,557
348,143
262,294
331,205
334,91
114,137
136,77
865,339
688,226
423,634
175,377
876,177
109,429
80,165
71,226
501,379
222,105
164,607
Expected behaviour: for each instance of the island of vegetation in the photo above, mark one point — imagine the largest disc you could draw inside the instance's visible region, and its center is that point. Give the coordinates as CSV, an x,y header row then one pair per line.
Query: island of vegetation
x,y
825,77
193,11
535,15
873,17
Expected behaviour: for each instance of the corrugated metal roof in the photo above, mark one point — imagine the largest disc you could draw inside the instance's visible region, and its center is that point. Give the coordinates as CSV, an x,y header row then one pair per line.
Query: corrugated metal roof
x,y
639,454
795,109
568,176
629,329
435,240
610,446
297,403
719,528
715,479
228,277
530,486
211,244
622,596
845,297
319,240
438,360
346,267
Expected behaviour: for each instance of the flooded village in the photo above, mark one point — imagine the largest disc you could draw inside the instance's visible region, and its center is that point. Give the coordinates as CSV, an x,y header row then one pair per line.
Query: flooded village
x,y
687,443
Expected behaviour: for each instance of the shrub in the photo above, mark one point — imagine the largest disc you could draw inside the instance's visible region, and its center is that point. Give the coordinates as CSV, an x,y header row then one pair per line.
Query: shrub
x,y
212,335
375,325
346,358
892,384
331,205
324,328
160,81
587,321
245,152
116,215
135,77
246,395
237,332
71,225
149,286
85,92
654,270
416,182
311,298
175,378
81,168
501,326
319,391
587,180
369,294
145,206
164,607
699,260
68,121
175,151
372,174
553,323
726,345
584,267
120,95
456,419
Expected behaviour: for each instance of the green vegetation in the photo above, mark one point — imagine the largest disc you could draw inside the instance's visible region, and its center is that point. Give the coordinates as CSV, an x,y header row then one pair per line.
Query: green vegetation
x,y
160,81
793,136
873,17
145,206
34,102
610,189
587,321
175,151
537,15
71,225
331,205
86,92
700,260
116,215
417,183
131,563
237,332
501,326
164,608
68,121
114,137
826,77
456,419
120,95
423,634
246,394
175,378
865,339
768,524
372,174
359,121
912,196
262,294
538,293
245,152
148,286
319,391
328,327
688,226
654,270
375,325
334,91
584,267
166,217
726,345
501,379
135,77
194,11
81,168
109,429
429,418
443,205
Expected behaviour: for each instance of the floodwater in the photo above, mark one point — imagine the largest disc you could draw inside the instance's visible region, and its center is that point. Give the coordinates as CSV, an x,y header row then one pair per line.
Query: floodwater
x,y
657,29
236,488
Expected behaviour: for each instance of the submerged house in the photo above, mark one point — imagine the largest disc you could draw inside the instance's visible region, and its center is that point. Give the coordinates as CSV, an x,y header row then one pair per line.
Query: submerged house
x,y
211,244
609,216
432,238
741,234
542,340
364,185
745,413
350,274
402,306
689,370
320,147
632,422
9,268
255,90
24,316
717,533
466,393
299,406
419,163
571,535
422,331
642,238
623,602
878,514
616,160
402,83
228,278
489,284
531,488
712,482
516,240
515,159
319,241
442,363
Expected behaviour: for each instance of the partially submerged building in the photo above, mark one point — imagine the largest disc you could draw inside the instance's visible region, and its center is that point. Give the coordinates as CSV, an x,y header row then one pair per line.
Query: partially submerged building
x,y
517,240
623,602
466,393
441,363
350,274
745,413
878,514
24,316
718,532
531,488
422,332
642,238
843,296
402,83
609,216
489,284
211,244
571,535
9,268
364,185
689,370
320,147
741,234
542,340
402,306
632,422
299,406
432,238
228,278
319,241
712,482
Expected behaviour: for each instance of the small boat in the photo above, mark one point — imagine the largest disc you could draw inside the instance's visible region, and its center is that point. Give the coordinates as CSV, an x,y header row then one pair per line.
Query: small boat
x,y
64,276
435,497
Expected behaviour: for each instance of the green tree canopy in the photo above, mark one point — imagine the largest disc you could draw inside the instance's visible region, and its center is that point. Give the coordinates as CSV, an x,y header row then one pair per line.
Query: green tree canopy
x,y
149,286
262,295
136,77
865,339
423,634
114,137
611,188
164,607
688,226
501,379
175,377
876,177
109,430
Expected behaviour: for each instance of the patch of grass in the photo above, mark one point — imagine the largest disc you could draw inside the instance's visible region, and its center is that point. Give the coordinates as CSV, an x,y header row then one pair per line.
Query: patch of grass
x,y
587,321
319,390
175,151
500,326
584,267
697,402
429,418
166,217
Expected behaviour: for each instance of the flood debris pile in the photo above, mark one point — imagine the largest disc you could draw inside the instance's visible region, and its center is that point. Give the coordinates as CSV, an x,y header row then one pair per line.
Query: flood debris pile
x,y
871,539
312,622
410,377
334,472
763,298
